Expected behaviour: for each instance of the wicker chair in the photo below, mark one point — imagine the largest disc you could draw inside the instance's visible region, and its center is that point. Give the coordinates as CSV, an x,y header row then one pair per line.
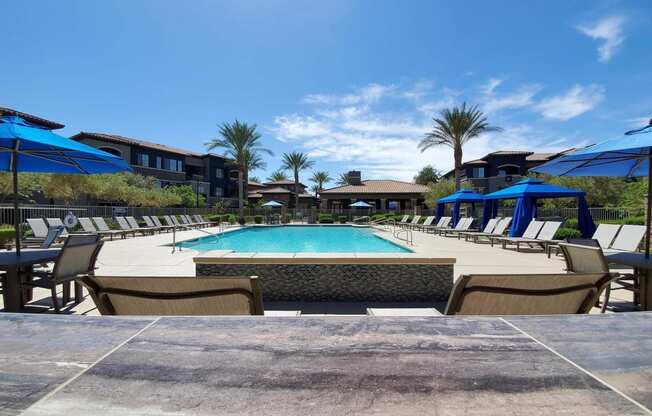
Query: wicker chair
x,y
175,295
526,294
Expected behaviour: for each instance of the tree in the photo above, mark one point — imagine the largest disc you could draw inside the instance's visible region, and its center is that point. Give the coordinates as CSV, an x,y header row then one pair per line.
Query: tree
x,y
252,162
187,195
427,175
344,179
278,175
241,142
454,129
437,190
254,179
319,178
296,162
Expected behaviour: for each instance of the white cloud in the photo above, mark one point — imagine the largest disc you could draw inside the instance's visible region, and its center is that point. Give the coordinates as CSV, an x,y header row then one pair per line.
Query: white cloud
x,y
379,130
608,30
574,102
491,85
523,97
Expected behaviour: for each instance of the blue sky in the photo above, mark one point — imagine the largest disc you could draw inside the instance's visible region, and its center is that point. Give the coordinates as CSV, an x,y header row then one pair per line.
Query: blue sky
x,y
353,83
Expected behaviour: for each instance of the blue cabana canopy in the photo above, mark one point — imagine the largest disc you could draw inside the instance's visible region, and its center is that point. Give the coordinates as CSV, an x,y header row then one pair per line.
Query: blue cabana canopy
x,y
526,193
457,199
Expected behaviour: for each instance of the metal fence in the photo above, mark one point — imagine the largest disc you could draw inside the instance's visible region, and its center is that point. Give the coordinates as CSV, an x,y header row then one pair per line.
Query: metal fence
x,y
307,214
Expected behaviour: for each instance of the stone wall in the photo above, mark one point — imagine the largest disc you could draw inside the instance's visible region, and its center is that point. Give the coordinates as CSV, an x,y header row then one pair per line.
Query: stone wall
x,y
343,282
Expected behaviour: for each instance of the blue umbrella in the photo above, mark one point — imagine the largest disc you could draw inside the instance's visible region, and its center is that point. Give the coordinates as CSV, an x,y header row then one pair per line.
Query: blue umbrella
x,y
272,204
628,156
28,148
360,204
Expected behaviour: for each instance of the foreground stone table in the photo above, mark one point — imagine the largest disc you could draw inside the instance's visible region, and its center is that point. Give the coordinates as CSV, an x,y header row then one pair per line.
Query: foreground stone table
x,y
334,366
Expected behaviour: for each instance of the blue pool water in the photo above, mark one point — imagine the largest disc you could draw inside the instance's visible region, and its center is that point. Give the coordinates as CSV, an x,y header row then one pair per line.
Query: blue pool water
x,y
295,239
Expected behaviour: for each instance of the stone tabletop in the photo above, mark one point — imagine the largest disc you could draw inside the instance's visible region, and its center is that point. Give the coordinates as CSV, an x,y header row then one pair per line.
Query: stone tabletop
x,y
79,365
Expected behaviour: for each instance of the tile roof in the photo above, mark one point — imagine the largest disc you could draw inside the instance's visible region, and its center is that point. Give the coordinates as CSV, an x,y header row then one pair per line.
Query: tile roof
x,y
254,183
275,190
283,182
31,118
544,157
508,152
130,141
374,186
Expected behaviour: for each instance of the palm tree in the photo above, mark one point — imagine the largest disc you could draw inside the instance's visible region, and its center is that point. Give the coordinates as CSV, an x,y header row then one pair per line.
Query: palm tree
x,y
242,144
454,129
255,179
319,178
344,179
252,162
278,175
296,162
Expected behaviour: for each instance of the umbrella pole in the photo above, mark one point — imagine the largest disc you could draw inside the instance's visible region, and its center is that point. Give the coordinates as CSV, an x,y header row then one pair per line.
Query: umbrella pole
x,y
648,213
14,172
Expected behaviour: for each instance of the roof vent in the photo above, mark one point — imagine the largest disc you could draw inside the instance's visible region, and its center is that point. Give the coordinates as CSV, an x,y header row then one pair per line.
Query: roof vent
x,y
355,177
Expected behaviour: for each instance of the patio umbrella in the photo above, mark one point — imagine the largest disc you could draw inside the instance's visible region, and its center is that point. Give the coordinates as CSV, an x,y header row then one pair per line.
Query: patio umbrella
x,y
629,156
28,148
360,204
272,204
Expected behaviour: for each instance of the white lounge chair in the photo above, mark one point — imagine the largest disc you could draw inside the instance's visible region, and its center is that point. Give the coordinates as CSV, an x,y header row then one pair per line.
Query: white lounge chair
x,y
499,231
56,222
488,229
39,229
103,227
134,225
546,236
124,225
531,232
427,222
153,221
87,226
628,239
462,225
604,235
444,222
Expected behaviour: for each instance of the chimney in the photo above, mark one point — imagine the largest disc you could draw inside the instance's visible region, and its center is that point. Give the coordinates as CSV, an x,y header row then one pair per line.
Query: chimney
x,y
355,177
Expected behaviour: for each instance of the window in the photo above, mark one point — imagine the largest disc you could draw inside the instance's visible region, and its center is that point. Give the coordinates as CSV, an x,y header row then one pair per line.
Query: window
x,y
143,159
219,173
478,172
179,166
159,162
219,192
173,164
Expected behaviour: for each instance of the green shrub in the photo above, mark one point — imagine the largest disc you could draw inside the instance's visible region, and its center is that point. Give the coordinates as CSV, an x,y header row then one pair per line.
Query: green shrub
x,y
214,218
249,219
7,235
571,223
634,220
258,219
564,233
325,219
285,219
342,219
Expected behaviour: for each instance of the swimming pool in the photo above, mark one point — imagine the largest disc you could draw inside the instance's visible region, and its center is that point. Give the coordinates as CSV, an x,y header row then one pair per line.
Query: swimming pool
x,y
297,239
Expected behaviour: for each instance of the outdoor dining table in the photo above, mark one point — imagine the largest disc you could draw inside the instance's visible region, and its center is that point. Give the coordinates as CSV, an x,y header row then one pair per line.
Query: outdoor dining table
x,y
18,266
642,266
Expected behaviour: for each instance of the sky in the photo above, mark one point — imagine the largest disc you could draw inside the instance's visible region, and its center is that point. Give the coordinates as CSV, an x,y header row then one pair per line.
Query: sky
x,y
352,83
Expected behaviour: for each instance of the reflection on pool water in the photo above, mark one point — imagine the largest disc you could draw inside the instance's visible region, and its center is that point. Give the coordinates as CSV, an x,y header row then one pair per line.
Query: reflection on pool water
x,y
297,239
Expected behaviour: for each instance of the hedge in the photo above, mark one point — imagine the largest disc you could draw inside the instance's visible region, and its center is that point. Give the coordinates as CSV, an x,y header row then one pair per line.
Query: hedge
x,y
258,219
565,232
342,219
325,219
7,235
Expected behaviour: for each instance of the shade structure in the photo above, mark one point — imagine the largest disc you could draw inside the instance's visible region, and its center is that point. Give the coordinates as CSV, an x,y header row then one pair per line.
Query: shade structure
x,y
28,148
457,199
627,156
360,204
527,192
272,204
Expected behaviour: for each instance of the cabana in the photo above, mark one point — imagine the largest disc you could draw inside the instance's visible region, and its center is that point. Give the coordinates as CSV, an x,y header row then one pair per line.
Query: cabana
x,y
457,199
526,193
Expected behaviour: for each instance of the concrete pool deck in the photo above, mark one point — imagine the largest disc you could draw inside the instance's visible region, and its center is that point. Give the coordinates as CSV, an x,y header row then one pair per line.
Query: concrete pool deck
x,y
152,255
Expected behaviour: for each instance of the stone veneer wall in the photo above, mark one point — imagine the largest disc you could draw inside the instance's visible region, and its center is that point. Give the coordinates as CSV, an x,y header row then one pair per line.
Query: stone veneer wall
x,y
344,282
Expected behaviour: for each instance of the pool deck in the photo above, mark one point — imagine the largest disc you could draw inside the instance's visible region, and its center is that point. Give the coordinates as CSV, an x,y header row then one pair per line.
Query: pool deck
x,y
556,365
152,256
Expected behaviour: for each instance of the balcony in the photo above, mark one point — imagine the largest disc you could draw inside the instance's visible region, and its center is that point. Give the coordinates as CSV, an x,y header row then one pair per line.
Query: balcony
x,y
491,184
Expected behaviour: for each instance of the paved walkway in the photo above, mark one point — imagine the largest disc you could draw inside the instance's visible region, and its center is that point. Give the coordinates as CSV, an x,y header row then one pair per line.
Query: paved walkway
x,y
152,256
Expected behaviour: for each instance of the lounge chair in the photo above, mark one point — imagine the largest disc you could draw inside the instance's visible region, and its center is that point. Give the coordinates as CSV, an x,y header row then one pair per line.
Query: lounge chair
x,y
104,228
76,258
403,220
200,220
462,225
131,221
193,219
531,232
87,226
56,222
546,236
488,229
427,222
604,235
175,295
526,294
628,239
124,225
587,259
498,231
155,223
186,222
175,221
39,228
414,222
444,222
